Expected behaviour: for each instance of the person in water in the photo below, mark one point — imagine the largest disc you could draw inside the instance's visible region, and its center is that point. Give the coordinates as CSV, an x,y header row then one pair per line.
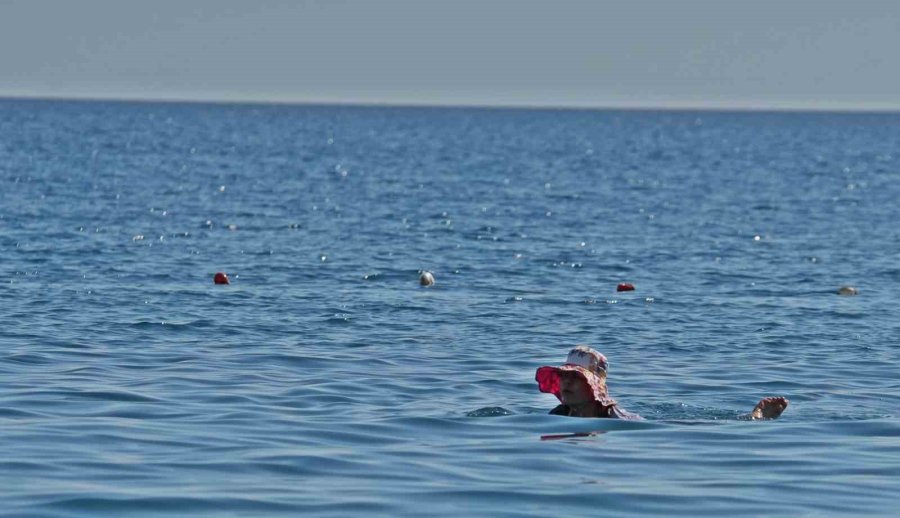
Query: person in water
x,y
580,386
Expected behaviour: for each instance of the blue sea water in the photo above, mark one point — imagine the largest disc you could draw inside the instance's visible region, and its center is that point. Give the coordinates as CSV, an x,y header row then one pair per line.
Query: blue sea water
x,y
323,380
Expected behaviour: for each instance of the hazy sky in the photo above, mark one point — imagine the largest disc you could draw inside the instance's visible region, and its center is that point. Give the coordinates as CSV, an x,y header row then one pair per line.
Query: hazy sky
x,y
807,54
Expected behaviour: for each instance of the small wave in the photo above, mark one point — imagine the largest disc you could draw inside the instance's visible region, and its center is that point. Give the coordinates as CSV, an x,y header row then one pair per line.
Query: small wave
x,y
113,395
339,319
32,359
174,326
14,413
178,505
489,411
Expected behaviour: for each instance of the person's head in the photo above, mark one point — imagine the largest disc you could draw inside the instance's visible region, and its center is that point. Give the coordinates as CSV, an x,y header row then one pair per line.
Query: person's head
x,y
581,380
426,278
574,390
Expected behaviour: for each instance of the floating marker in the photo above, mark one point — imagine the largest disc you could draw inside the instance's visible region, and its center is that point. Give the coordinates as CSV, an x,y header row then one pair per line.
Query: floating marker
x,y
426,279
625,287
848,290
221,278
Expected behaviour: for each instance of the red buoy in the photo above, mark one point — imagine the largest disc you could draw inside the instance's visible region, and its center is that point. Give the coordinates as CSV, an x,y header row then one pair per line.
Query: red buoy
x,y
625,286
221,278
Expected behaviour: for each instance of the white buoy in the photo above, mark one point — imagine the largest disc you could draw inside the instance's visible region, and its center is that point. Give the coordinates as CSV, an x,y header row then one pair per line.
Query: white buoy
x,y
426,279
848,290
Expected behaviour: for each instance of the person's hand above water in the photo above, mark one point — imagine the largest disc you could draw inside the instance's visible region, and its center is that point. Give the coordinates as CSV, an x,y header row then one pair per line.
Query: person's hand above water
x,y
769,408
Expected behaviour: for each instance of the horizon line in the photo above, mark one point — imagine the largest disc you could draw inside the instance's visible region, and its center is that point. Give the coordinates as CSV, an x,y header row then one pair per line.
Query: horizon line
x,y
738,107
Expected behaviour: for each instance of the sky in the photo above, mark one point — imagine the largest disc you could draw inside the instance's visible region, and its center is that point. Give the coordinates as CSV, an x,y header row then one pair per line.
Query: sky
x,y
787,54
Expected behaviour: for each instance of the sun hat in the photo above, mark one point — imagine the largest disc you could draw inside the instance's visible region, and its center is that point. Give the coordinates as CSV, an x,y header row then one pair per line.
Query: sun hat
x,y
587,362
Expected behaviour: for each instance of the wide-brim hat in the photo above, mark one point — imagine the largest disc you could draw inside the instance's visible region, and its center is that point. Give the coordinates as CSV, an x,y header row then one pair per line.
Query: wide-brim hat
x,y
588,363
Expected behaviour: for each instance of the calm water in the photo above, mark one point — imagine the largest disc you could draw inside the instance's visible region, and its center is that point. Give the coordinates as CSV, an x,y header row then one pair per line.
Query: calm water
x,y
324,380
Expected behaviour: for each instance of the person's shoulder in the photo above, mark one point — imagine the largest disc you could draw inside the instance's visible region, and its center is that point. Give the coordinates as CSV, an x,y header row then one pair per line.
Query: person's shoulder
x,y
560,410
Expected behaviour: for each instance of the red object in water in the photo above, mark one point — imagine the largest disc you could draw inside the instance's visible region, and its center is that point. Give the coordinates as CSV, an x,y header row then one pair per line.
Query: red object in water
x,y
221,278
625,286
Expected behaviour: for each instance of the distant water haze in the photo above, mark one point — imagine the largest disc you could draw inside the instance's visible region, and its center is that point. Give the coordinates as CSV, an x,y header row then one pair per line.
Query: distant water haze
x,y
645,53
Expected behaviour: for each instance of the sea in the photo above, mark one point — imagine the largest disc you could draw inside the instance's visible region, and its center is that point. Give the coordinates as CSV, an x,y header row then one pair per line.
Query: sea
x,y
325,381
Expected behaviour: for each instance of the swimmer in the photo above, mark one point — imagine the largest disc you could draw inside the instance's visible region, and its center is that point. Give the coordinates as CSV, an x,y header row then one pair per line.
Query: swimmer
x,y
580,386
426,279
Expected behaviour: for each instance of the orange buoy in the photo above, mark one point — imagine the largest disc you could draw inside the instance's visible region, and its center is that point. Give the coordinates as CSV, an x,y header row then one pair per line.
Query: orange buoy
x,y
625,286
221,278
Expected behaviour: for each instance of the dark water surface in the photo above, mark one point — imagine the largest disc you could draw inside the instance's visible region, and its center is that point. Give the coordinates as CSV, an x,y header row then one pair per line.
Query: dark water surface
x,y
324,380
